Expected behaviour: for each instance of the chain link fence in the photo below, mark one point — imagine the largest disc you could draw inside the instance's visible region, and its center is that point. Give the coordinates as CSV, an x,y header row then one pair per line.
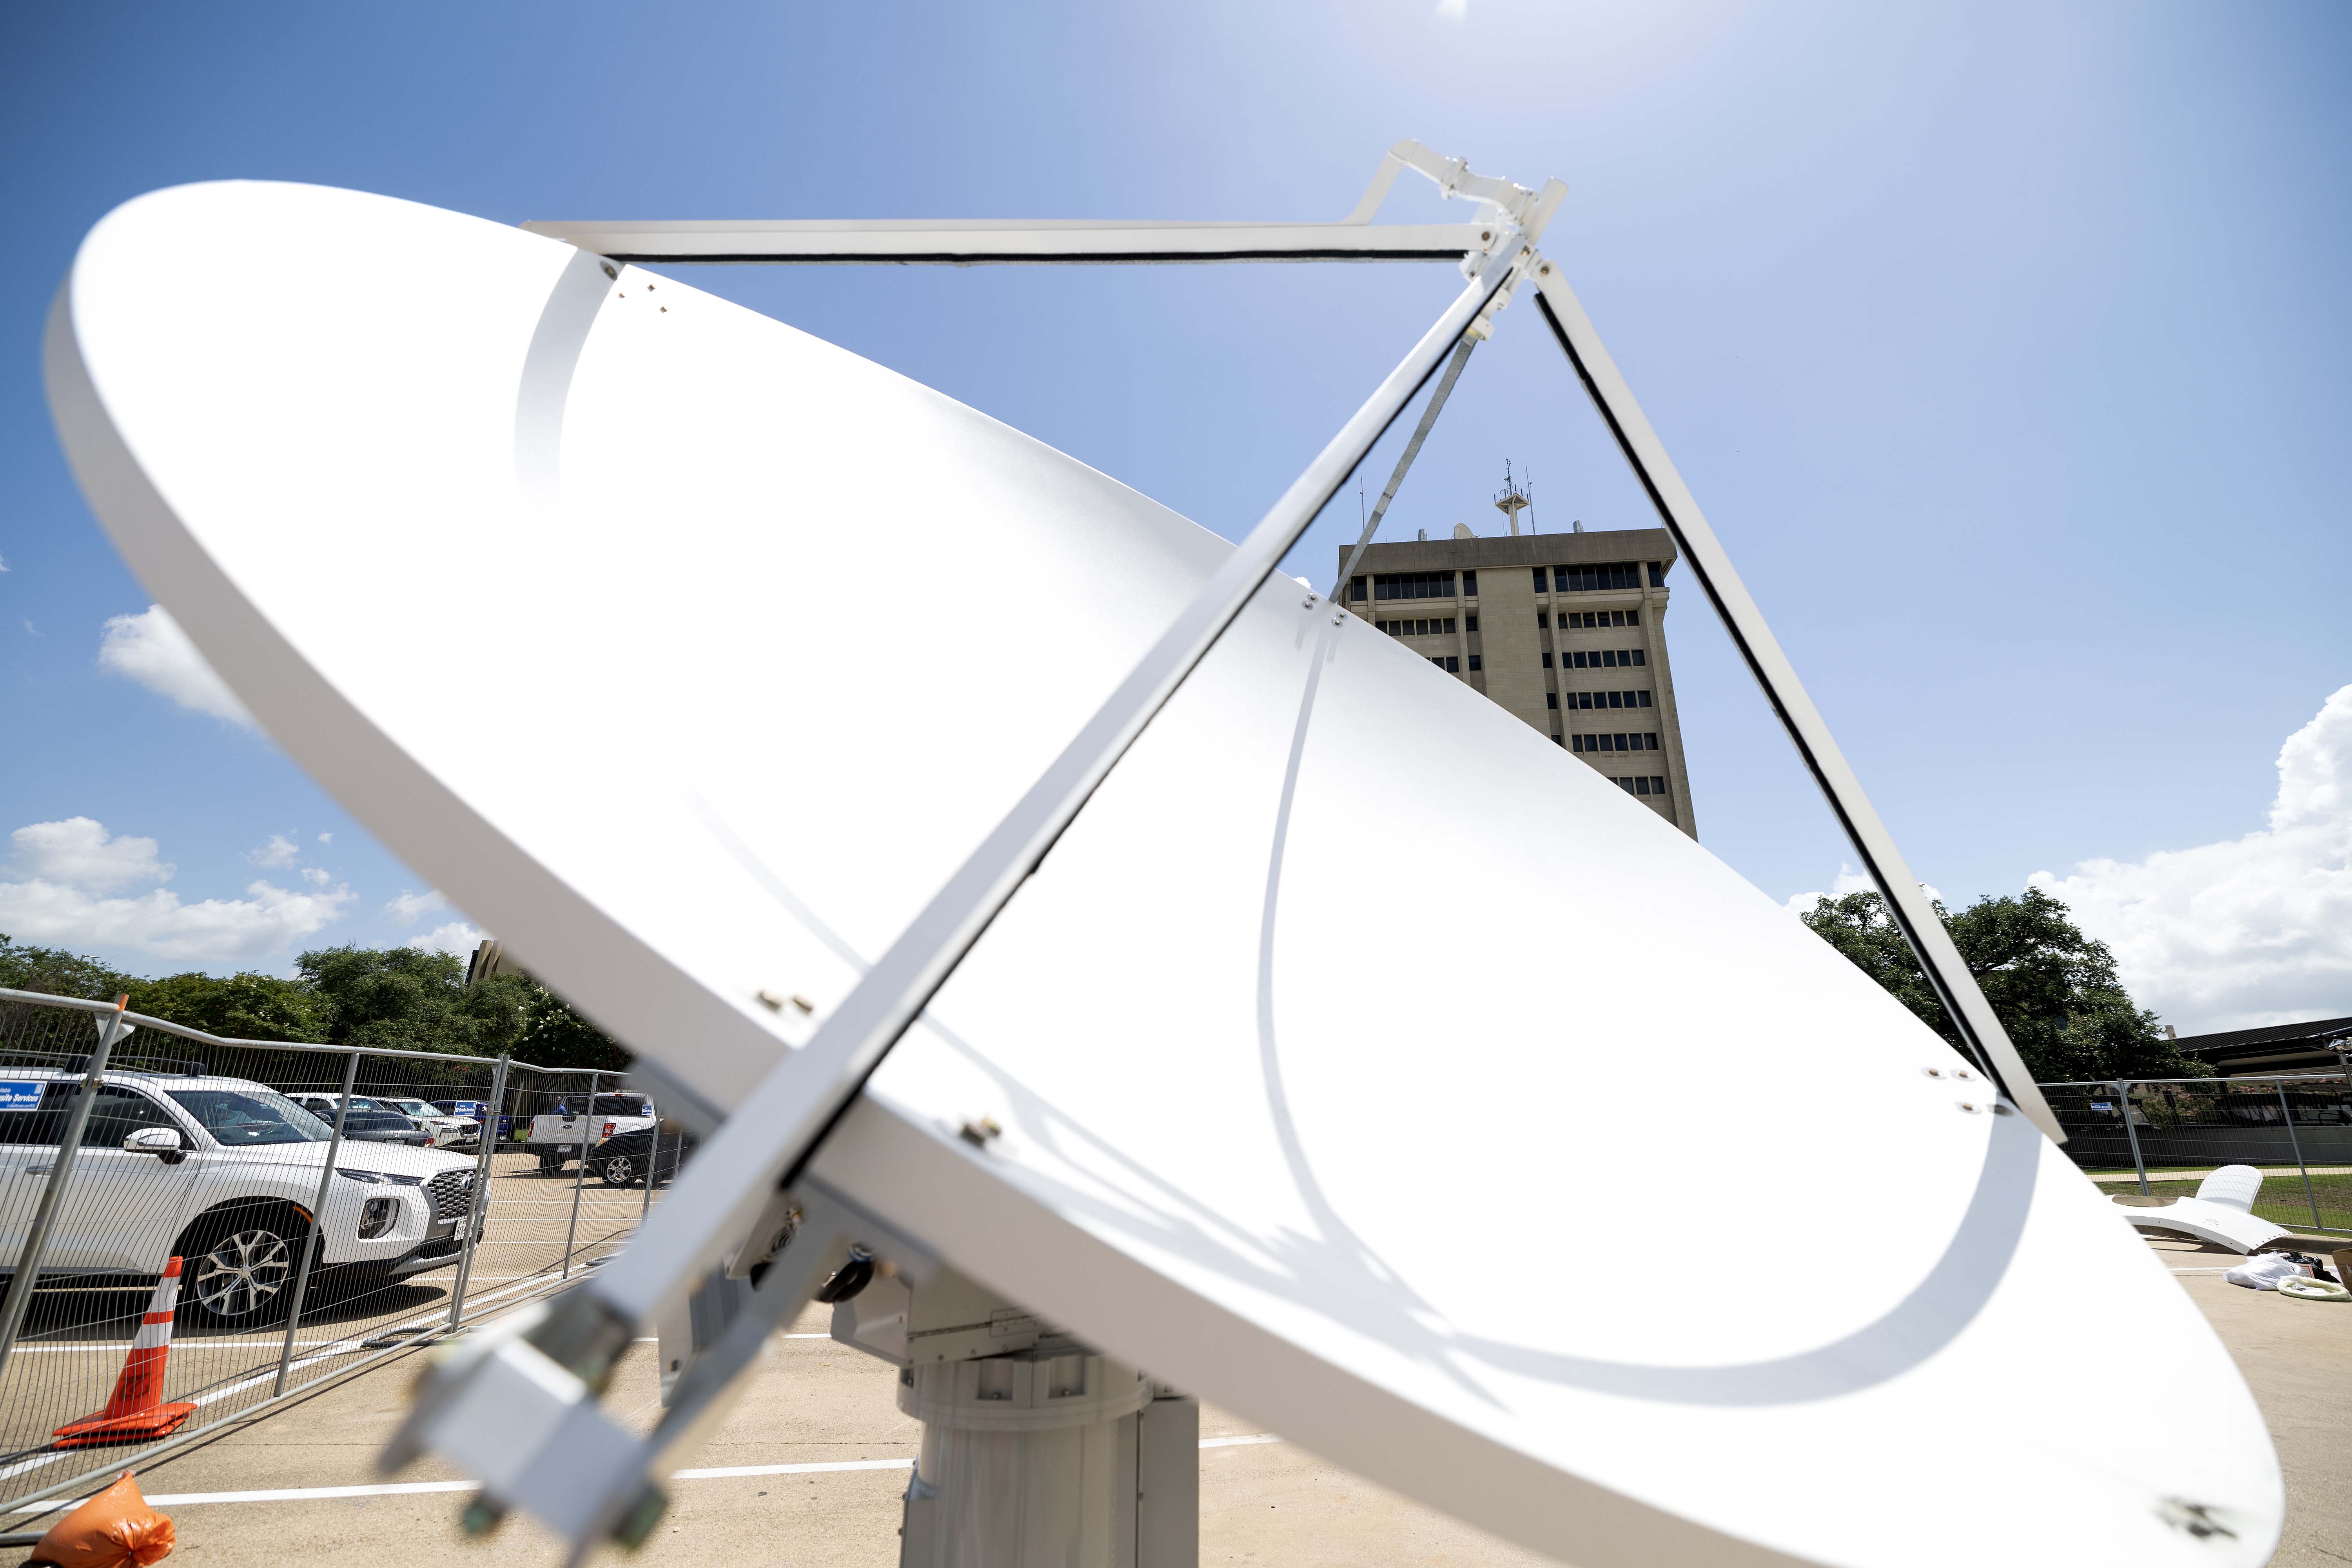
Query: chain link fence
x,y
2162,1137
327,1207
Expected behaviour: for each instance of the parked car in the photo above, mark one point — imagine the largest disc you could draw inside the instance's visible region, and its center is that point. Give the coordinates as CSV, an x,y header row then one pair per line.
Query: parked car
x,y
623,1160
564,1130
478,1112
367,1122
449,1131
221,1172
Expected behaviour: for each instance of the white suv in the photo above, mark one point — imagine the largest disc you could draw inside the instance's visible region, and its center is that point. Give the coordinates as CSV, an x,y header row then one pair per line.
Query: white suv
x,y
448,1132
222,1173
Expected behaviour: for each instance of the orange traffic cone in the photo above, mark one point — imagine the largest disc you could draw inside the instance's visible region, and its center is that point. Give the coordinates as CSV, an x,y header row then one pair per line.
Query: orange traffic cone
x,y
137,1411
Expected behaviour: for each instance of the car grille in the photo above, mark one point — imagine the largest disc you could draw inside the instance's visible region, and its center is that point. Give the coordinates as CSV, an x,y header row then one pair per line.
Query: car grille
x,y
451,1193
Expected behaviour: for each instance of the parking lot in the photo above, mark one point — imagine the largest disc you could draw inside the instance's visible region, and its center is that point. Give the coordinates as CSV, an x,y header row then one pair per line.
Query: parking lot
x,y
808,1468
78,1334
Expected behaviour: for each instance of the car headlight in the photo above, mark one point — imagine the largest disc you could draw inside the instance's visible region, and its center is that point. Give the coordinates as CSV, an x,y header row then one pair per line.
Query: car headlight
x,y
372,1177
376,1216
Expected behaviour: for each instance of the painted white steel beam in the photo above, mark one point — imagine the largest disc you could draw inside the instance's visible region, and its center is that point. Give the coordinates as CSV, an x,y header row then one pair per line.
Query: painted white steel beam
x,y
980,242
1947,972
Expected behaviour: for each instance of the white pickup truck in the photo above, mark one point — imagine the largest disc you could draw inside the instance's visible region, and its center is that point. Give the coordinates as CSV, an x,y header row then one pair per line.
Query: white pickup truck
x,y
557,1137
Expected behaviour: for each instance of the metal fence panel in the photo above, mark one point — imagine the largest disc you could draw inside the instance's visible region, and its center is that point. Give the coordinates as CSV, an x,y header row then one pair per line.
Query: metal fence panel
x,y
238,1204
2163,1137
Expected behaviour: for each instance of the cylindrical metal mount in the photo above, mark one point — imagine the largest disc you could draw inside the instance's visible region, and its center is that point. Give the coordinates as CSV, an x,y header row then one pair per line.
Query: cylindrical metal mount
x,y
1026,1458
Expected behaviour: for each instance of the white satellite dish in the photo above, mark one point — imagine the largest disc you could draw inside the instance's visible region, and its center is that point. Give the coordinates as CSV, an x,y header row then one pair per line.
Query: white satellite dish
x,y
1282,1121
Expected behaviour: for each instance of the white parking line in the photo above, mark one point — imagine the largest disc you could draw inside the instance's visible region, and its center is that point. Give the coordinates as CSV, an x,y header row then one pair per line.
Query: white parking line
x,y
415,1489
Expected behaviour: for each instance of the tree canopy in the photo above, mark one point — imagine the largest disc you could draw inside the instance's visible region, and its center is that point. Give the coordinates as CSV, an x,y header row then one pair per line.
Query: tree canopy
x,y
396,998
2054,989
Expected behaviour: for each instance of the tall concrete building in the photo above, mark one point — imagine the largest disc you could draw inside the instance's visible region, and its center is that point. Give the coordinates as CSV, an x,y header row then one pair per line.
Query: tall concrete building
x,y
1565,631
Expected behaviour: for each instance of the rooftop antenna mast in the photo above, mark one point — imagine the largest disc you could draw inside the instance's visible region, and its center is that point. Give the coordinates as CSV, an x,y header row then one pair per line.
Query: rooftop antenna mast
x,y
1516,496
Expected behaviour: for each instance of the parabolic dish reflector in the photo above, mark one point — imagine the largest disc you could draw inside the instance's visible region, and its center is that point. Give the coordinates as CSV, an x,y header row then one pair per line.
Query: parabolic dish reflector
x,y
1366,1064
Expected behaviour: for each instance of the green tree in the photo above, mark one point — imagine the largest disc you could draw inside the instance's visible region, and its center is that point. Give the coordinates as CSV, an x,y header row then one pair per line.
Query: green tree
x,y
54,971
553,1035
409,999
2053,988
242,1006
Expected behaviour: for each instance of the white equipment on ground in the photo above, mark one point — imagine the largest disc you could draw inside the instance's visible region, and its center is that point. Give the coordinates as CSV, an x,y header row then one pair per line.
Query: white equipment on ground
x,y
1185,1095
2221,1213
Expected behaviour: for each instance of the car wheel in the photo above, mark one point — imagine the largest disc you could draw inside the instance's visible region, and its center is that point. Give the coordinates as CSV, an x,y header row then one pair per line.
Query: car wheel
x,y
239,1271
620,1170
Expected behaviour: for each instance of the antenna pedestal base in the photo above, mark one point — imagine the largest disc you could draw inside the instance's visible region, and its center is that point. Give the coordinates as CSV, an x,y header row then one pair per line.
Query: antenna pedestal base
x,y
1038,1451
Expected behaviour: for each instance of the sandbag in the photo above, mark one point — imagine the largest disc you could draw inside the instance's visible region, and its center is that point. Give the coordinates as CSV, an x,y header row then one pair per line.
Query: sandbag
x,y
2264,1270
116,1529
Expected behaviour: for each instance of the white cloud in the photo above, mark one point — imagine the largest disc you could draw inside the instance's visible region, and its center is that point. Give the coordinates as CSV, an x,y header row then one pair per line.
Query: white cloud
x,y
457,939
2250,931
1848,881
326,839
409,908
151,648
316,877
1453,10
76,853
4,563
277,853
62,873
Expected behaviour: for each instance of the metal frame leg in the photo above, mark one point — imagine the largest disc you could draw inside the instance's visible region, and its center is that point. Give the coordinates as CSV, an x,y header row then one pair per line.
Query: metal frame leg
x,y
1913,914
312,1243
2123,1104
36,1241
580,1178
475,1210
2295,1142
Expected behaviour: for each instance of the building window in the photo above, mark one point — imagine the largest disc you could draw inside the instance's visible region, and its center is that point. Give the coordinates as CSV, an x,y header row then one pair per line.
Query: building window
x,y
1551,698
1547,659
1469,623
1475,665
1627,743
1555,740
1432,627
1544,621
1594,579
1608,700
1608,658
1649,741
1596,618
1470,587
1657,575
1451,665
1356,589
1652,785
1413,585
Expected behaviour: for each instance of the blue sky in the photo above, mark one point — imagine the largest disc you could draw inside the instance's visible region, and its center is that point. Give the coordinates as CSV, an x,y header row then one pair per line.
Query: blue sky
x,y
2005,346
